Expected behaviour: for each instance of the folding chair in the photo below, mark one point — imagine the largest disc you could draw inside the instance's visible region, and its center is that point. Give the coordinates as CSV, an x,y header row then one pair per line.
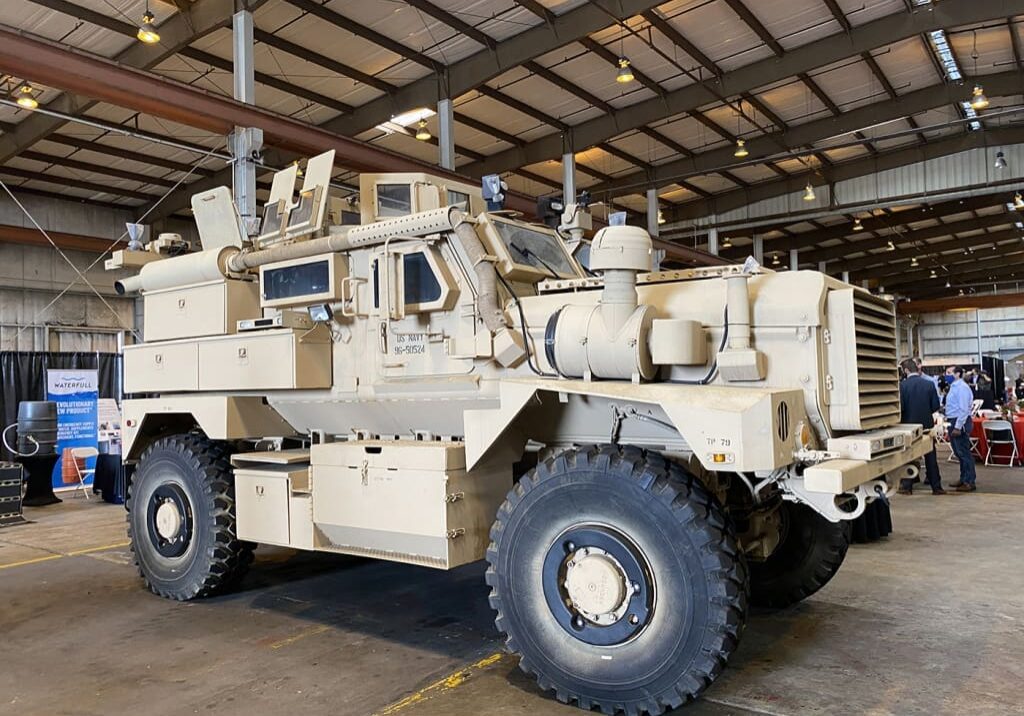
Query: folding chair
x,y
999,432
976,407
80,455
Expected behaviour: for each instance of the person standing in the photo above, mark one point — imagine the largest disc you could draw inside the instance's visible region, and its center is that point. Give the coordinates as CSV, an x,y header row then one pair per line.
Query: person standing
x,y
958,416
918,403
933,378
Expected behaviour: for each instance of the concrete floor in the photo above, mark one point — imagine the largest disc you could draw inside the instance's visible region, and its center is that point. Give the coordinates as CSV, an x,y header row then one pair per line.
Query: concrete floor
x,y
930,621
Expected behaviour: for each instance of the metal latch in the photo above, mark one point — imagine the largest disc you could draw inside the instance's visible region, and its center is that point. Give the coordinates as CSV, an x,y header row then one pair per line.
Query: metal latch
x,y
454,497
452,534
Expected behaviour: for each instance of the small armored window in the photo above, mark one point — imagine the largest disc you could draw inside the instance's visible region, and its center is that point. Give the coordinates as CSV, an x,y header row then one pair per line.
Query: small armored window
x,y
393,200
420,283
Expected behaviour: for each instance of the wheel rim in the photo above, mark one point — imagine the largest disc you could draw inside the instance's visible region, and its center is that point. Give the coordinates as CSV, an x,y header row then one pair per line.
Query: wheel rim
x,y
169,520
598,585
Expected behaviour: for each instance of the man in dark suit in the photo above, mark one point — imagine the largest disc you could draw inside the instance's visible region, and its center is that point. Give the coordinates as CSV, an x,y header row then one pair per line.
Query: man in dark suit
x,y
918,403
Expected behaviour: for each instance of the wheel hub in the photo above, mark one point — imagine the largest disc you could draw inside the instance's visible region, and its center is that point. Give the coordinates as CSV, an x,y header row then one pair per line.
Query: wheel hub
x,y
168,520
597,585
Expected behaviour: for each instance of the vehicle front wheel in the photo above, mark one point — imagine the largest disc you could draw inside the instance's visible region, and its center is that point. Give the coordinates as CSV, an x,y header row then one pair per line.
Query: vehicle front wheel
x,y
181,518
617,579
809,554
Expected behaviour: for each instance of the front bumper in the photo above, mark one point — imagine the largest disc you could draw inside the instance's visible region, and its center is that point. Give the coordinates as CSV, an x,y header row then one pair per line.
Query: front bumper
x,y
856,461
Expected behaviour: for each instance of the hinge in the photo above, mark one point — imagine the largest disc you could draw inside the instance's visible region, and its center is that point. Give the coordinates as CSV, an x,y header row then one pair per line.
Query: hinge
x,y
829,383
454,497
452,534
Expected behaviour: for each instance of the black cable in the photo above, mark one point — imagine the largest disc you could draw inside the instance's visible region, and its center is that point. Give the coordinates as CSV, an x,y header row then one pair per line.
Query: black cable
x,y
522,327
527,253
714,366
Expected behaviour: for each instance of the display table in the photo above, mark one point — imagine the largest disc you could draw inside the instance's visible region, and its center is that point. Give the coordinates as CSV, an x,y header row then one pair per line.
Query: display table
x,y
109,478
1002,452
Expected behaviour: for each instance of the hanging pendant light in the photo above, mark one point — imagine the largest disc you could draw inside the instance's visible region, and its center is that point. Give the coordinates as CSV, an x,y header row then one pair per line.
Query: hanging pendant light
x,y
726,243
948,284
27,101
978,99
1000,162
147,32
809,193
913,262
776,261
890,246
933,274
625,74
857,226
661,217
741,149
422,133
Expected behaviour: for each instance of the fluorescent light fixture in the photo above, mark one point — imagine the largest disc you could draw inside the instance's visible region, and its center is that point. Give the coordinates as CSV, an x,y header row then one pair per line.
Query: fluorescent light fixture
x,y
401,122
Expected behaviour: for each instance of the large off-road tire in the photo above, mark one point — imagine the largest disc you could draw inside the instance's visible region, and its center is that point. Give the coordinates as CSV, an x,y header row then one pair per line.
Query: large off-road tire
x,y
617,579
809,554
874,524
181,518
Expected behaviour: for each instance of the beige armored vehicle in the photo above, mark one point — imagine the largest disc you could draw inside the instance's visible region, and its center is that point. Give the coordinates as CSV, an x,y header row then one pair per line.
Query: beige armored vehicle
x,y
637,454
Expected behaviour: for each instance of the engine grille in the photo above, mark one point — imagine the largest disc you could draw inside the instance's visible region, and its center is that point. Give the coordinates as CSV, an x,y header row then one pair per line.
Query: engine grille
x,y
862,384
878,387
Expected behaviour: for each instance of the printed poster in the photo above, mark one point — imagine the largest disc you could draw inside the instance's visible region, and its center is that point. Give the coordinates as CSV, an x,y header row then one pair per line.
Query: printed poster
x,y
76,393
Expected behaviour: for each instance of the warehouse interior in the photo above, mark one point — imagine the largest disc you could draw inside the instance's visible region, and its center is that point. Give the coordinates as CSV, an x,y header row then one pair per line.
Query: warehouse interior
x,y
879,143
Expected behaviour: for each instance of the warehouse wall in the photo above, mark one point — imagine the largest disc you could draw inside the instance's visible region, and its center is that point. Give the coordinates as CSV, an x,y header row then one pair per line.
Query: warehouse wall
x,y
32,277
953,335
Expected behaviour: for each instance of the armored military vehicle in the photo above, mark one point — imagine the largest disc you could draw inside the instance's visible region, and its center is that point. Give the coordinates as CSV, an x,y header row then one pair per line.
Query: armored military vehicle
x,y
637,454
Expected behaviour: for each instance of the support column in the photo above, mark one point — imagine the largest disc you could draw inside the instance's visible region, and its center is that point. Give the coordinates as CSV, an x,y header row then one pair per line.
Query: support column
x,y
759,249
846,277
652,212
446,134
822,267
794,260
569,178
246,142
713,235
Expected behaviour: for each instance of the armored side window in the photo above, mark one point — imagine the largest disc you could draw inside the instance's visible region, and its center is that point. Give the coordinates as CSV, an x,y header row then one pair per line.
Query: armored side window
x,y
459,199
425,284
393,200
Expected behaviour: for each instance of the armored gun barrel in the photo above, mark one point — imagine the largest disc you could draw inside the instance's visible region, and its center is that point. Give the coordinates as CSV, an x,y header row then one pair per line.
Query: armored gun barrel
x,y
179,271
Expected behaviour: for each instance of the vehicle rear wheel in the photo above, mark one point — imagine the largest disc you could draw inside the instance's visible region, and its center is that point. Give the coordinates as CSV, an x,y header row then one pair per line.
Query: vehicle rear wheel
x,y
617,579
181,518
807,557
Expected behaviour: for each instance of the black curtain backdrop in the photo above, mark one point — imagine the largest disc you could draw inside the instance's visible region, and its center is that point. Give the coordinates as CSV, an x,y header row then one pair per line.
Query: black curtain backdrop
x,y
23,377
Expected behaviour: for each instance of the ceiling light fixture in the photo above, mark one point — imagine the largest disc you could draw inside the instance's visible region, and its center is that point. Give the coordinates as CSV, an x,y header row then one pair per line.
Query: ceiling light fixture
x,y
890,246
913,262
661,217
625,74
1000,162
776,261
422,133
857,226
809,193
978,99
726,243
147,32
27,101
933,274
741,149
948,284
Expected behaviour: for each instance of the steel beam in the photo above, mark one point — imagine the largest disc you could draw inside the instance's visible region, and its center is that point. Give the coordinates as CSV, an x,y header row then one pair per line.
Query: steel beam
x,y
819,53
891,159
473,71
938,305
915,102
913,246
75,183
896,269
202,18
56,65
70,242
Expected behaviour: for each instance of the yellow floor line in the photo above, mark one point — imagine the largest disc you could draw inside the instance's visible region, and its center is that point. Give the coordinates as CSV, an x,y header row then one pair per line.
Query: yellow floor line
x,y
301,635
452,681
61,555
24,562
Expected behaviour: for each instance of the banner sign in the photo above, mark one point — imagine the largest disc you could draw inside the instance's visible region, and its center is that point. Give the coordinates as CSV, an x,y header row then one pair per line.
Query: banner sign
x,y
76,393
